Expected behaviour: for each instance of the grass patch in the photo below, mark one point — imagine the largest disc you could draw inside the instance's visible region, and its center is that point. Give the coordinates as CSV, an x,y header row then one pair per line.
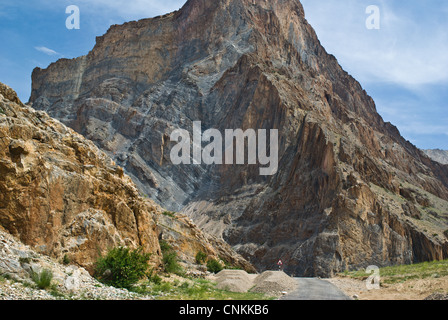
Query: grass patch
x,y
194,289
402,273
42,279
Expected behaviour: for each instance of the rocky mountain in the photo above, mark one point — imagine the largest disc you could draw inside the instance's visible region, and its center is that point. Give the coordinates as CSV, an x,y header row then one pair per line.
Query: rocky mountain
x,y
438,155
349,190
64,197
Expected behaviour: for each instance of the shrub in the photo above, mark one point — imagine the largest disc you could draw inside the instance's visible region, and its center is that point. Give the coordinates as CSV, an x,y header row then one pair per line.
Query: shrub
x,y
66,260
42,279
214,266
201,257
153,277
170,261
24,260
122,267
156,279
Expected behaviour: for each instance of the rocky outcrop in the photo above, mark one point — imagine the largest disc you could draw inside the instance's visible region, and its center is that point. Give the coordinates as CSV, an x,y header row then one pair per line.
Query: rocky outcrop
x,y
335,201
64,197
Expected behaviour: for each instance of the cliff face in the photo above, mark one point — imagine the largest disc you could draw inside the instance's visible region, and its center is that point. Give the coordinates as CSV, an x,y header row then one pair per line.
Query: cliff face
x,y
346,179
63,196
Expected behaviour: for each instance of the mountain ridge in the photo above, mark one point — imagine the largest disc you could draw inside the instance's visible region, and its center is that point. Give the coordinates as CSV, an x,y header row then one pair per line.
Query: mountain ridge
x,y
344,173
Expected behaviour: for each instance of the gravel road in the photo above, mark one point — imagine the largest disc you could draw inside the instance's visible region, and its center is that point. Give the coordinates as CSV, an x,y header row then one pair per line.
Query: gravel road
x,y
315,289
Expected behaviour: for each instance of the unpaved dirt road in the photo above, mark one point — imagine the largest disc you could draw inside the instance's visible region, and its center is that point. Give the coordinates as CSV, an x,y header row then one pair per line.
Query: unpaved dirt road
x,y
315,289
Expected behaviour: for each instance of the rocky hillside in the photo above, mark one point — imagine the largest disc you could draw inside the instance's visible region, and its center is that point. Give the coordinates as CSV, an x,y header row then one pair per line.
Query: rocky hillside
x,y
64,197
18,261
349,191
438,155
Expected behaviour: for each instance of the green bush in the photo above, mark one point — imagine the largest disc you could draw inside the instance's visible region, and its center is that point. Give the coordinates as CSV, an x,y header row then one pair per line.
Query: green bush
x,y
214,266
42,279
201,257
66,260
156,279
170,261
122,267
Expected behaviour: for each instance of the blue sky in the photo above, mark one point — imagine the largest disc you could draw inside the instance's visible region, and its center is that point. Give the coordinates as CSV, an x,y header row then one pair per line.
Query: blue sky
x,y
403,65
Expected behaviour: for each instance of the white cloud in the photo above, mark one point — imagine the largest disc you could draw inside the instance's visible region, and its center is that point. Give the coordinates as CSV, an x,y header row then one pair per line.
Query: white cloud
x,y
403,65
47,51
422,128
405,51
